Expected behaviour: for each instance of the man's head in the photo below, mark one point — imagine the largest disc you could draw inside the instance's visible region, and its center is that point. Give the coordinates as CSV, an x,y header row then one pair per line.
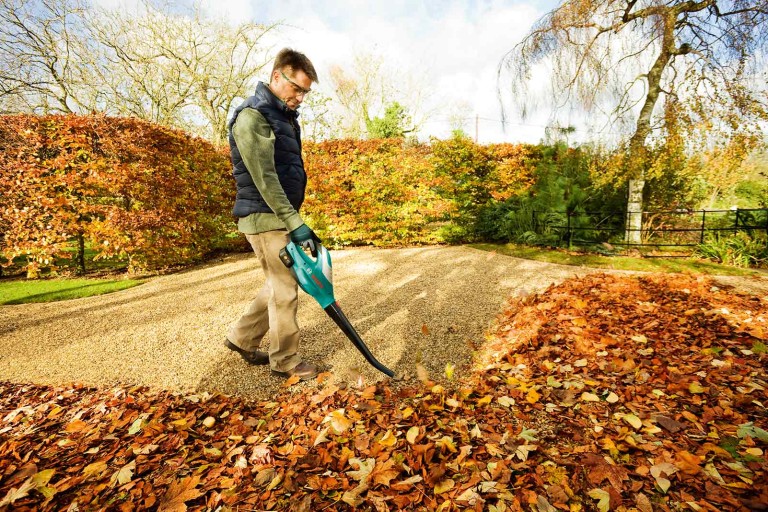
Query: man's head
x,y
292,77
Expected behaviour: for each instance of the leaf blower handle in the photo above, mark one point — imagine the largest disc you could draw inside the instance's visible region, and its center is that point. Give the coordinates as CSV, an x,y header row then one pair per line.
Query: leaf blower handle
x,y
303,236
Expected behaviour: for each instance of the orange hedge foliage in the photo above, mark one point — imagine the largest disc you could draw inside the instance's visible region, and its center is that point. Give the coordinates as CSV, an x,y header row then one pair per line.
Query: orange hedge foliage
x,y
373,192
131,189
156,196
388,192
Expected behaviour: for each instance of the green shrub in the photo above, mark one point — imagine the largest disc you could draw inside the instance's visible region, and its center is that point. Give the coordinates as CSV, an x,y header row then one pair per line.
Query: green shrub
x,y
739,249
752,194
391,192
561,194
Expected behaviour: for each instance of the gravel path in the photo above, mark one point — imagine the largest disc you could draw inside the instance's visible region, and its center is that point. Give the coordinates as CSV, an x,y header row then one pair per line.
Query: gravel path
x,y
423,304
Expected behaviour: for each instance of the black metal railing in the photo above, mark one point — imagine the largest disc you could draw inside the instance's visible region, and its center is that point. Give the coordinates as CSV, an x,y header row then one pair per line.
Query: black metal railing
x,y
659,229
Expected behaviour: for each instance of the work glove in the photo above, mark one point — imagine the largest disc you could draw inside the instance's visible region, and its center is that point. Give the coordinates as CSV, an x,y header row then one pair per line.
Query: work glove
x,y
303,236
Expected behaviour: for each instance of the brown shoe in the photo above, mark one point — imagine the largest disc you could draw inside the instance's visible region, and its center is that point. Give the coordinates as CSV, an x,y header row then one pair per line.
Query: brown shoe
x,y
305,371
255,357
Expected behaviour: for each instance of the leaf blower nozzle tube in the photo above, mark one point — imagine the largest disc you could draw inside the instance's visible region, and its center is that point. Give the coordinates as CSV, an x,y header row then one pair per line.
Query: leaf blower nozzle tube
x,y
314,276
335,312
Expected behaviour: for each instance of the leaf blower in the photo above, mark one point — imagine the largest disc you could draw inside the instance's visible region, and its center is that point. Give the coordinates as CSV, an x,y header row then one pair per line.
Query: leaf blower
x,y
314,276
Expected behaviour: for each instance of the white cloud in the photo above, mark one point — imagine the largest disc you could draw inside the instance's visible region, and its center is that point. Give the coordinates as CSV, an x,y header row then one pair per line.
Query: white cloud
x,y
455,46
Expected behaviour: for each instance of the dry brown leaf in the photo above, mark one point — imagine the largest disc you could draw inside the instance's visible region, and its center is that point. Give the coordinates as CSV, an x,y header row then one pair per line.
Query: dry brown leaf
x,y
669,424
305,505
422,373
447,431
15,494
124,475
384,473
688,463
444,486
643,503
601,470
352,497
94,469
264,476
364,468
412,435
178,493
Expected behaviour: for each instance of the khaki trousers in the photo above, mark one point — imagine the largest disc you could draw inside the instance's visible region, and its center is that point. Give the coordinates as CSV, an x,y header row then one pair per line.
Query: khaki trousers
x,y
273,309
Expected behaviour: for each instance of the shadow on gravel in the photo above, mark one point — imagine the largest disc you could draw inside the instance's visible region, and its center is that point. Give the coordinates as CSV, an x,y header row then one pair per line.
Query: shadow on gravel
x,y
428,305
410,306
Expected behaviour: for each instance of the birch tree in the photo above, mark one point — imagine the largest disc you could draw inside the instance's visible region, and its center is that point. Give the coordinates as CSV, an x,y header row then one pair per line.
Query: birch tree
x,y
360,91
630,59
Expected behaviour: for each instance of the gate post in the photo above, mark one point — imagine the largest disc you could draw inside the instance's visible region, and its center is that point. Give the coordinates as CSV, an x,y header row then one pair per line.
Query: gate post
x,y
634,224
766,221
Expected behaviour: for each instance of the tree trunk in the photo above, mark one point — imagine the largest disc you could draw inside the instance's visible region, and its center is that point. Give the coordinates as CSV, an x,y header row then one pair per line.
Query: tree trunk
x,y
638,152
80,254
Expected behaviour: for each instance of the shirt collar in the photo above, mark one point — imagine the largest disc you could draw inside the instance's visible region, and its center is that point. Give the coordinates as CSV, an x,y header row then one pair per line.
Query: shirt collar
x,y
280,103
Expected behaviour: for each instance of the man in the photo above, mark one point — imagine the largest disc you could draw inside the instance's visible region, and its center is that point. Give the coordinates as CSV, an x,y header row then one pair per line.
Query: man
x,y
265,144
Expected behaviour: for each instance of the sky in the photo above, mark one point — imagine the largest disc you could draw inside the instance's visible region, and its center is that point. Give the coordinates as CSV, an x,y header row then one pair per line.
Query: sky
x,y
452,48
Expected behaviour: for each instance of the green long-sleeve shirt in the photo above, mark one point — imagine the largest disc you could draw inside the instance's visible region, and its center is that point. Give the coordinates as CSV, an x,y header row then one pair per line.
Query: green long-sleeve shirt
x,y
256,142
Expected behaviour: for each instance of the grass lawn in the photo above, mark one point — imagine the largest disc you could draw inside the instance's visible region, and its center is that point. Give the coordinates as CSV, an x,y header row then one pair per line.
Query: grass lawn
x,y
17,290
22,291
564,257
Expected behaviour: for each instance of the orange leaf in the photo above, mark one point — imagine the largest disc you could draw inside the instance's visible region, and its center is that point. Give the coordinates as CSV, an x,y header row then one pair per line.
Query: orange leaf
x,y
385,473
690,416
643,503
533,396
75,426
178,493
368,393
294,379
688,463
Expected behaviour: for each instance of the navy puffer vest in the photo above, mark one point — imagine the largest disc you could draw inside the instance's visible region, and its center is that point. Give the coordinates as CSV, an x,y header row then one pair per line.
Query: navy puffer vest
x,y
288,162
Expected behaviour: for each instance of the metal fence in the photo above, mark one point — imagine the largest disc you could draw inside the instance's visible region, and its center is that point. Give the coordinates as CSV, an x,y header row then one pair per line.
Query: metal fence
x,y
664,230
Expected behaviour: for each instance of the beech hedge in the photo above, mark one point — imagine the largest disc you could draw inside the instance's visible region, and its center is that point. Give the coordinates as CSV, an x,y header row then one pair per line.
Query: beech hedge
x,y
155,196
388,192
127,188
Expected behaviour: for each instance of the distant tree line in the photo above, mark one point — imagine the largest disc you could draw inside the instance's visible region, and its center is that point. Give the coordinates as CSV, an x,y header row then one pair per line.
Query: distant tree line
x,y
181,70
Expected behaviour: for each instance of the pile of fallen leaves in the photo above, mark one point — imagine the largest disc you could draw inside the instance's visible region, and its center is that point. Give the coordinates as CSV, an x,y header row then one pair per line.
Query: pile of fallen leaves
x,y
602,393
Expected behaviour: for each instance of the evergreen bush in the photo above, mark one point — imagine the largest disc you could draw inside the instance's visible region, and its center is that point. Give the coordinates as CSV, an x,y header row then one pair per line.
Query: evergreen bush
x,y
739,249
